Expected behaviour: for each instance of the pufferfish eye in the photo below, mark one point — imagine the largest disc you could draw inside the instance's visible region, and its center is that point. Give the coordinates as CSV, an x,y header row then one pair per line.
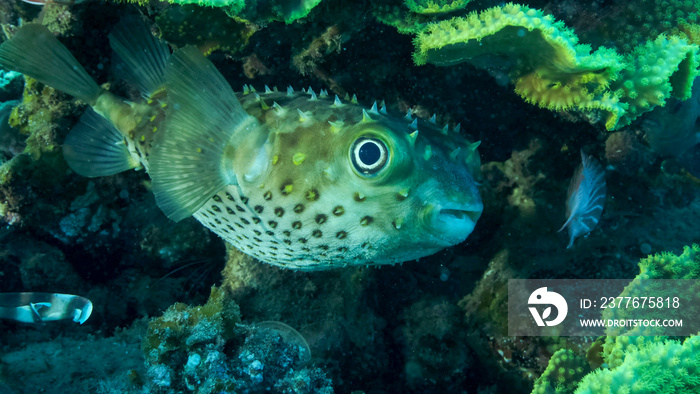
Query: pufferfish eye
x,y
369,155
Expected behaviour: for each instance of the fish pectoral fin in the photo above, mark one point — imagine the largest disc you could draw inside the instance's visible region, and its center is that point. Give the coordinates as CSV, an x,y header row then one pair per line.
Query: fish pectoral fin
x,y
94,148
204,118
141,57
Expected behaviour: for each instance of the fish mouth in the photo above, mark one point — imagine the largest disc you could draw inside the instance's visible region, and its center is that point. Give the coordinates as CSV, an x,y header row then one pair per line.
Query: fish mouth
x,y
460,214
456,221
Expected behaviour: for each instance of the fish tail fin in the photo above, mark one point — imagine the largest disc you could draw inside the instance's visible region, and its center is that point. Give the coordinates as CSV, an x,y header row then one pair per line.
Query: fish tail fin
x,y
204,114
35,52
94,148
142,57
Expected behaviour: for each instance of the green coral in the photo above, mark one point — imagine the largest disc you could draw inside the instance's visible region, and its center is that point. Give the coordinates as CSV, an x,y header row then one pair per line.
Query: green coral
x,y
635,361
630,24
657,70
651,365
660,266
564,371
429,7
551,69
656,367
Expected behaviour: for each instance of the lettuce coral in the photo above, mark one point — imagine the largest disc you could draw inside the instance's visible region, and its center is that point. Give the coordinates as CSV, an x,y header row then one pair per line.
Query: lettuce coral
x,y
550,68
429,7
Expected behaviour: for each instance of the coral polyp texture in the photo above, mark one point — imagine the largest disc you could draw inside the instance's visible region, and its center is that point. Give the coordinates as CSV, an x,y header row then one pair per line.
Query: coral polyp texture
x,y
655,367
634,361
664,265
430,7
550,68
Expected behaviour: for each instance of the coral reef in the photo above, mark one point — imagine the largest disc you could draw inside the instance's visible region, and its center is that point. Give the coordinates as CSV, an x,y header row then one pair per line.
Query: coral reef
x,y
435,325
634,359
659,367
561,74
563,373
435,7
208,28
206,349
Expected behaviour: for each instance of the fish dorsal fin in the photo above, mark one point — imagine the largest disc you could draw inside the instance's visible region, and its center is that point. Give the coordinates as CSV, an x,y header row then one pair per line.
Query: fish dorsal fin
x,y
142,56
203,116
94,147
34,51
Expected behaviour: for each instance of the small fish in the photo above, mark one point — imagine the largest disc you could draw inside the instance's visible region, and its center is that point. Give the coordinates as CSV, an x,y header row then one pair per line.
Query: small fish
x,y
585,200
296,179
42,307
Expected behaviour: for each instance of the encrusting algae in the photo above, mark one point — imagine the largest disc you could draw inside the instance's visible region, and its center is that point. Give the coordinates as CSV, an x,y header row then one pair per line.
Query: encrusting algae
x,y
295,179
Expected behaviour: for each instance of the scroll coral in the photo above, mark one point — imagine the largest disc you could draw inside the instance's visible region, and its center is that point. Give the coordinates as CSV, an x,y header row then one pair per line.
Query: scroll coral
x,y
551,69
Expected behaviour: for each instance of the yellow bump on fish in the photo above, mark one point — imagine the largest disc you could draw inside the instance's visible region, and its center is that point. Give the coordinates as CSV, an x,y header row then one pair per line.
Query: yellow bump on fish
x,y
298,158
275,159
336,126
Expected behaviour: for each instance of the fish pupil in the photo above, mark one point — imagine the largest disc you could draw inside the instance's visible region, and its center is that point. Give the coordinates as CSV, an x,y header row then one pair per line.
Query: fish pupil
x,y
369,153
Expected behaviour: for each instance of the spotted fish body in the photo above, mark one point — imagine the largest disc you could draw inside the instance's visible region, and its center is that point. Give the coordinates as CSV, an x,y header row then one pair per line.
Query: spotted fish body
x,y
294,179
310,208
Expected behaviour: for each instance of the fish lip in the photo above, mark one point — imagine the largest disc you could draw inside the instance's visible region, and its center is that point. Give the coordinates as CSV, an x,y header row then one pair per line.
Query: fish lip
x,y
456,220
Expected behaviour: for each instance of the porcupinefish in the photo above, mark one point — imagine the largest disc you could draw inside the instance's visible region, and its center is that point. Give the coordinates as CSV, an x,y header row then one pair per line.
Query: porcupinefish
x,y
295,179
